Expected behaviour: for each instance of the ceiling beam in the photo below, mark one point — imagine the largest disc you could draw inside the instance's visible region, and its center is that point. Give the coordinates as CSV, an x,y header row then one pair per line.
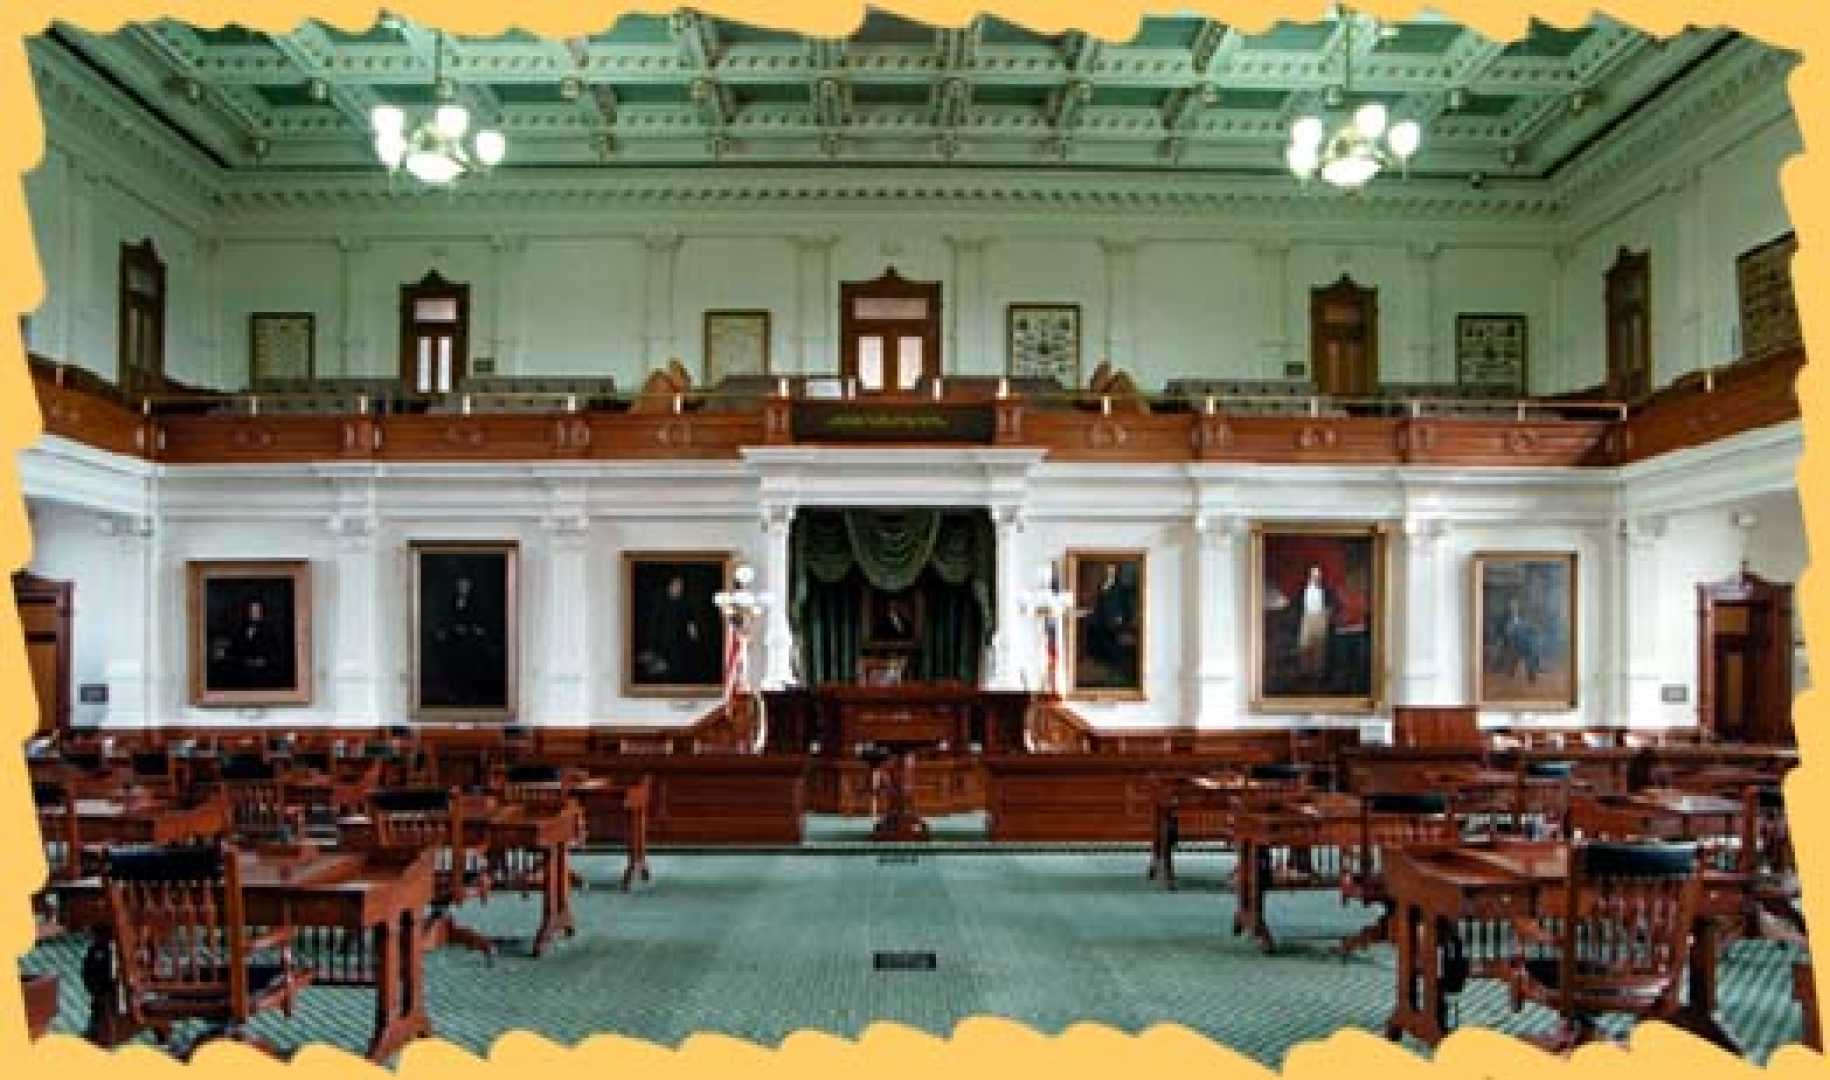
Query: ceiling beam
x,y
311,51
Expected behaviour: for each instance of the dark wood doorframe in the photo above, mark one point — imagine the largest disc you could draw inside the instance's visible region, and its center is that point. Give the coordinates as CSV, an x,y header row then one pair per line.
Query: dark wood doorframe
x,y
1763,640
433,286
1628,306
47,615
141,329
1344,338
890,287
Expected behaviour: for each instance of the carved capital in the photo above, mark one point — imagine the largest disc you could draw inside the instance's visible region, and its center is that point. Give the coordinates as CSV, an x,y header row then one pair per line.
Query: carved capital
x,y
777,517
663,241
1007,517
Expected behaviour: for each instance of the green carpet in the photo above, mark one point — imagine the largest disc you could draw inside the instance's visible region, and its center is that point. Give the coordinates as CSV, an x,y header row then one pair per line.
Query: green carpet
x,y
759,945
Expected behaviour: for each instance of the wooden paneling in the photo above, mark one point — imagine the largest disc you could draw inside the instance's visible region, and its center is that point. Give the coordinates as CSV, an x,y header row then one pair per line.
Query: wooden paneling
x,y
1703,407
45,614
1699,408
1060,797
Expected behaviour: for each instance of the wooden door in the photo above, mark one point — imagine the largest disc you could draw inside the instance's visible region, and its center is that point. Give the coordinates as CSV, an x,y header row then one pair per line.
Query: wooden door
x,y
1744,660
1344,339
434,335
142,318
889,333
45,616
1629,325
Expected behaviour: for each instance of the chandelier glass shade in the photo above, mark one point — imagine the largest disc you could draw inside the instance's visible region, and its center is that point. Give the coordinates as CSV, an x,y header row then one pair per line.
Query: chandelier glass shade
x,y
433,150
1358,148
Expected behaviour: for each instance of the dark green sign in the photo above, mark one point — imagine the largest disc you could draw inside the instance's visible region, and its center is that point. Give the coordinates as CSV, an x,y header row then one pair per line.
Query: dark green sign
x,y
911,422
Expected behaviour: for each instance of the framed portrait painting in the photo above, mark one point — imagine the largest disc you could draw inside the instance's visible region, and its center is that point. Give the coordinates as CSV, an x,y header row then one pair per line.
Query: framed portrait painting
x,y
1107,635
1045,342
281,346
466,654
1318,599
736,343
892,620
1525,630
250,633
1768,305
674,632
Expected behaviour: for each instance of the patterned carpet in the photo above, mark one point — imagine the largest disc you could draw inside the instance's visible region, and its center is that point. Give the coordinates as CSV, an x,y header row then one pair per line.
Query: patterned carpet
x,y
759,945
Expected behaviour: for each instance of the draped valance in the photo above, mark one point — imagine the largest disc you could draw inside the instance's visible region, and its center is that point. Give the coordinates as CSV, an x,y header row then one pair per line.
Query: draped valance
x,y
891,548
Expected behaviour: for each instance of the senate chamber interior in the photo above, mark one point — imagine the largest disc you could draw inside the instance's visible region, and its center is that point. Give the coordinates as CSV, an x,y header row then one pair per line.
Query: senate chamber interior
x,y
694,526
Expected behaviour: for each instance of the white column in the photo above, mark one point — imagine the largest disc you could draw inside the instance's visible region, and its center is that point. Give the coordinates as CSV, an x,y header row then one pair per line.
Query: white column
x,y
356,675
129,612
1213,637
84,318
778,636
1422,259
812,351
1121,302
1420,664
1553,369
352,342
1013,633
1639,619
1274,348
660,337
508,261
1685,350
969,349
563,675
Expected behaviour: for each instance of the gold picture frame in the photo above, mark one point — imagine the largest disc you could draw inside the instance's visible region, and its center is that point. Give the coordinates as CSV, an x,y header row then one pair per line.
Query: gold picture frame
x,y
736,343
1544,643
1348,676
655,664
238,656
459,681
282,346
1092,576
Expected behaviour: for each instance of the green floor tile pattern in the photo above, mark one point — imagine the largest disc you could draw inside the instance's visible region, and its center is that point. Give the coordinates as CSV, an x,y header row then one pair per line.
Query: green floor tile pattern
x,y
761,945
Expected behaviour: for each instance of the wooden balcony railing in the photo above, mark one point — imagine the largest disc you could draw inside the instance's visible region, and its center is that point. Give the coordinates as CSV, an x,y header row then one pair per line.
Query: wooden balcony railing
x,y
241,428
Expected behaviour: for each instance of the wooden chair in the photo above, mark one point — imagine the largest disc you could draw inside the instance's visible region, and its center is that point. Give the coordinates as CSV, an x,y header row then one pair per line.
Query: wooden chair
x,y
40,993
185,949
1805,990
430,817
63,850
1767,859
540,790
1541,800
1618,945
1391,820
155,771
261,811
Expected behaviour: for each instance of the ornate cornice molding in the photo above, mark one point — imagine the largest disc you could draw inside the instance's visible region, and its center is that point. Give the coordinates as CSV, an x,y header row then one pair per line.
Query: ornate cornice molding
x,y
92,121
1005,192
1742,76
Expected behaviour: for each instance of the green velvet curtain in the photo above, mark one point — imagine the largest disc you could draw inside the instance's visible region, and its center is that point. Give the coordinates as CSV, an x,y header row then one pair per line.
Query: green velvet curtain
x,y
835,552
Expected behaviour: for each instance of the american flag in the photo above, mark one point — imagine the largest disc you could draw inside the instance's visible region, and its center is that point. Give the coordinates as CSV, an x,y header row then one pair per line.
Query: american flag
x,y
733,664
1051,651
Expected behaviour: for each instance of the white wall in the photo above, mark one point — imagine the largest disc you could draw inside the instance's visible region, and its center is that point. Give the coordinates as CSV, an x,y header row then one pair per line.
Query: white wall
x,y
1644,537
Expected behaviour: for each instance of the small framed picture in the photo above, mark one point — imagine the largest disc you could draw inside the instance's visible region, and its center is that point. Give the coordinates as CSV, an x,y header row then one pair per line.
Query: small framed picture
x,y
892,620
1045,342
1490,350
1107,639
1525,630
281,346
465,636
673,630
250,632
736,343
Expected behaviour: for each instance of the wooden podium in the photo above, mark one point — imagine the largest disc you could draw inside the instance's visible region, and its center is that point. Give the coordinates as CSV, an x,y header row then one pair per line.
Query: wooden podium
x,y
896,759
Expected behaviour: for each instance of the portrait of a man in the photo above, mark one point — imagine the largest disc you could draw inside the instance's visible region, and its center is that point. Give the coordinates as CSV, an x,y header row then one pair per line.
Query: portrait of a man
x,y
1317,593
465,630
1108,623
1525,629
675,632
894,619
250,633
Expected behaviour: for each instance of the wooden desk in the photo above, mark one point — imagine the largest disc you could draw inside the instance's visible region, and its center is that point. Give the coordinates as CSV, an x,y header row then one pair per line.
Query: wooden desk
x,y
1289,844
118,821
841,717
1436,894
619,811
1190,808
517,841
326,897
